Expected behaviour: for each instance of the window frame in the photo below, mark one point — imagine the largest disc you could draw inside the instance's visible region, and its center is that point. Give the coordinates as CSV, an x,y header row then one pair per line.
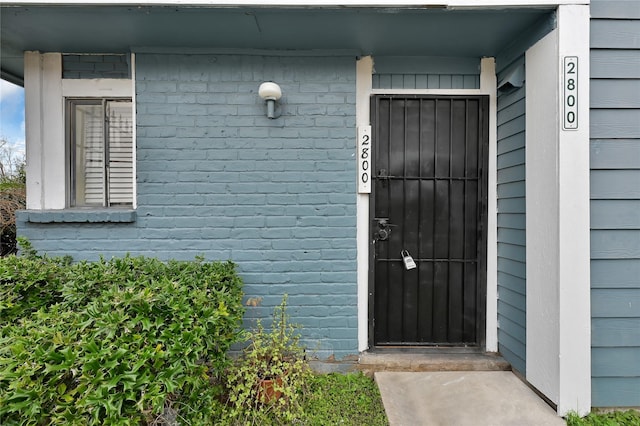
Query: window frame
x,y
71,145
45,94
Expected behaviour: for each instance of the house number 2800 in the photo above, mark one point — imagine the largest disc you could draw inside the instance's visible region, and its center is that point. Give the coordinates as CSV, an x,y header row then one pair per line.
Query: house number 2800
x,y
570,82
364,159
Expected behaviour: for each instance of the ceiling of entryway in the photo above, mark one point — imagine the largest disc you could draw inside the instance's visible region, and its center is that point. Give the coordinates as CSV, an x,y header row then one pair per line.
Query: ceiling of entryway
x,y
380,31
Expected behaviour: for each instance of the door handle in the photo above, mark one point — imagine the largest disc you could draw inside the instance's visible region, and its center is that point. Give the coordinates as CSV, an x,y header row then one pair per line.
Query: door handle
x,y
384,229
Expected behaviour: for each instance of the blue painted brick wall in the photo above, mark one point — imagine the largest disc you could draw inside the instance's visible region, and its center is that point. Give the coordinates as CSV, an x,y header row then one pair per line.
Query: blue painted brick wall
x,y
95,66
218,178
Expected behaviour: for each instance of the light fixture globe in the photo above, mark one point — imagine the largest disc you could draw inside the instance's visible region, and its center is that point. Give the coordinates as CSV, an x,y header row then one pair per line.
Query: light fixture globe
x,y
270,91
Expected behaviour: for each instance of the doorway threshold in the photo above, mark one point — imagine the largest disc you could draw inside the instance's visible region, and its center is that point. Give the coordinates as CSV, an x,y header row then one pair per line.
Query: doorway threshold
x,y
431,359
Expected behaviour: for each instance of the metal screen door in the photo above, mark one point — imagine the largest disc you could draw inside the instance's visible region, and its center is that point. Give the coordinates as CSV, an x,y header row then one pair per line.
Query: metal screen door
x,y
428,200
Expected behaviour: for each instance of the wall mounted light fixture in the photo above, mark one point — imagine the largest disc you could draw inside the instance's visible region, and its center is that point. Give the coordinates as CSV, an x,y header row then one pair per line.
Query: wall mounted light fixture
x,y
270,92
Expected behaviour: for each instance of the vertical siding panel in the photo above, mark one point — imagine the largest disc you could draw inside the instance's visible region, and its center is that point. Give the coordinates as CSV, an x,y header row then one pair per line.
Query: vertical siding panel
x,y
426,81
471,81
409,81
615,224
397,81
384,82
433,81
445,81
457,82
422,81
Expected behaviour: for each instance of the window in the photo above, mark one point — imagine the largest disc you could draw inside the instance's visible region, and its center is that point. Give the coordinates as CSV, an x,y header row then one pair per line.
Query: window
x,y
100,140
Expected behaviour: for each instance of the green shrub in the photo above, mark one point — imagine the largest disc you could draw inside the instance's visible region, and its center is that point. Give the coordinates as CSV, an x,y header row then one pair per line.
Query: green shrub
x,y
12,198
28,283
127,341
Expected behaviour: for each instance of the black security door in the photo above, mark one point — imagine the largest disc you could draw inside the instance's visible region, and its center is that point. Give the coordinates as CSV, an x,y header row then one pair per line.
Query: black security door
x,y
429,201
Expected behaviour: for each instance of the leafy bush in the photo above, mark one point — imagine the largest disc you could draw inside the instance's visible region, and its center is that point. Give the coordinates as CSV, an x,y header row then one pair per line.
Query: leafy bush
x,y
126,341
12,198
28,283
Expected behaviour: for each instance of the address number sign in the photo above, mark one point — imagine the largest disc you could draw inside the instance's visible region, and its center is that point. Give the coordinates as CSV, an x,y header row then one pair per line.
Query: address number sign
x,y
570,82
364,159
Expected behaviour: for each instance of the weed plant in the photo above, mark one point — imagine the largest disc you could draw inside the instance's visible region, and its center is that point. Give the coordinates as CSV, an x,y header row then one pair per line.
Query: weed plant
x,y
266,383
615,418
326,399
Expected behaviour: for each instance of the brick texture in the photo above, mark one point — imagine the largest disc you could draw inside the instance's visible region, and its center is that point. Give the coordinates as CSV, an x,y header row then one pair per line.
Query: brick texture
x,y
95,66
216,177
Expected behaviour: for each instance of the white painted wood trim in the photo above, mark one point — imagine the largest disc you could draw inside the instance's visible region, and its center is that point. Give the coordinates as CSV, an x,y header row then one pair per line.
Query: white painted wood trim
x,y
134,135
574,246
542,205
446,92
97,88
54,177
488,85
364,83
344,3
558,239
33,129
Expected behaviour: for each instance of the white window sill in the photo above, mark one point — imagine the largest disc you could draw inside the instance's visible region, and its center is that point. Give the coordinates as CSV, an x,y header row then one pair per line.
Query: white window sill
x,y
110,215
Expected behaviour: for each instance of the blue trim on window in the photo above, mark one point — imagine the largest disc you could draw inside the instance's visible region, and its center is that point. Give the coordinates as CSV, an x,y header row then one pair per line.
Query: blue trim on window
x,y
76,216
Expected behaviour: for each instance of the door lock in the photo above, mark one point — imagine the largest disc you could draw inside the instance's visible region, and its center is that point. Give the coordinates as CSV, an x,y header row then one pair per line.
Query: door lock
x,y
384,229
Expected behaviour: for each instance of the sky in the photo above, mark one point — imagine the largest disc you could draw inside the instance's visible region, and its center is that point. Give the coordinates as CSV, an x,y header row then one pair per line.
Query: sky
x,y
12,115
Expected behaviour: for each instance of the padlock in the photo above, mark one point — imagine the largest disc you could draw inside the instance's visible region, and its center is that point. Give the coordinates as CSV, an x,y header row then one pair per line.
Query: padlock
x,y
408,260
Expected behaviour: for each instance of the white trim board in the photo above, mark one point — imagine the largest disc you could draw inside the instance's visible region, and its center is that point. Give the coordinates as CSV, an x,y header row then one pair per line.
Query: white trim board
x,y
541,215
445,92
364,82
364,91
557,219
97,88
574,221
310,3
44,129
488,86
134,116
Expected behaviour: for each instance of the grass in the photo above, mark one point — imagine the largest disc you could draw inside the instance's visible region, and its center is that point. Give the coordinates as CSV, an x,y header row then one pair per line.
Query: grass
x,y
327,399
616,418
347,399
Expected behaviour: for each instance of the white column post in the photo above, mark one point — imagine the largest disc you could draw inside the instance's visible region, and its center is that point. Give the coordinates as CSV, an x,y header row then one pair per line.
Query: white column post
x,y
542,212
574,233
33,126
44,129
488,84
52,133
364,82
557,179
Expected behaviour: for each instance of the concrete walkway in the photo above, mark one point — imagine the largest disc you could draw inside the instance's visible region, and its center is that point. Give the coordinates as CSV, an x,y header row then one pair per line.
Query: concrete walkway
x,y
462,398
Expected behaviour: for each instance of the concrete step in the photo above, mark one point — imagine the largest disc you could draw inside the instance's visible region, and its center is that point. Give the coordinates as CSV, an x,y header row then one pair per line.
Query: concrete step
x,y
371,362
